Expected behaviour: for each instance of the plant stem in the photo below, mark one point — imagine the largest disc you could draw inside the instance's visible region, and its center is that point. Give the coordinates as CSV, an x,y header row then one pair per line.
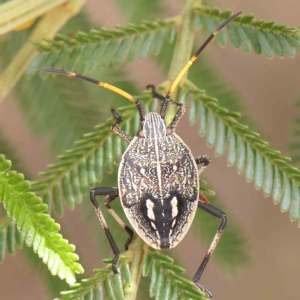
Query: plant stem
x,y
184,42
183,46
139,251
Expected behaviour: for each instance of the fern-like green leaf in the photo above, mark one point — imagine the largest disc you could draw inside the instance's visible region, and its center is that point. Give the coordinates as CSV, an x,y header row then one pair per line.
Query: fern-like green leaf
x,y
103,285
166,283
103,46
266,166
262,36
37,229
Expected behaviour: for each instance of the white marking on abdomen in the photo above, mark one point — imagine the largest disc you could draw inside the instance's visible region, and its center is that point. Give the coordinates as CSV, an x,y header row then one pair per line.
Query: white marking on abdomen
x,y
153,225
150,212
174,204
174,222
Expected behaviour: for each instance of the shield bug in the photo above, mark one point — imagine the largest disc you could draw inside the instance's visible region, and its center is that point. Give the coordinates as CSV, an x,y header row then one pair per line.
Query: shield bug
x,y
158,179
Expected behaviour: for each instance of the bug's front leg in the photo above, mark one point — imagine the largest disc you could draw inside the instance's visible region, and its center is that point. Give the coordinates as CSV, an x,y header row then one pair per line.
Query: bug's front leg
x,y
218,214
111,194
116,130
180,112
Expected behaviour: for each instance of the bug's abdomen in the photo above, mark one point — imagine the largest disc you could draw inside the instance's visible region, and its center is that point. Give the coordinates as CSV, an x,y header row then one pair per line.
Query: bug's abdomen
x,y
162,216
162,223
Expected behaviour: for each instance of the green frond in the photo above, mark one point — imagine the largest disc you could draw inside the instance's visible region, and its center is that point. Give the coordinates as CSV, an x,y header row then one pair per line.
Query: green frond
x,y
166,283
265,166
265,37
103,46
37,229
103,285
10,238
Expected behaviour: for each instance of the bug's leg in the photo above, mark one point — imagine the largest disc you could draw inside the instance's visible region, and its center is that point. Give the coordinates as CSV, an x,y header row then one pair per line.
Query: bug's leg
x,y
116,130
203,162
178,114
158,96
106,191
107,202
218,214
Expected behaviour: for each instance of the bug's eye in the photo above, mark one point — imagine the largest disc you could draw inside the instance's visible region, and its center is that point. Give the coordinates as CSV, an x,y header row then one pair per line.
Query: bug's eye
x,y
140,134
169,131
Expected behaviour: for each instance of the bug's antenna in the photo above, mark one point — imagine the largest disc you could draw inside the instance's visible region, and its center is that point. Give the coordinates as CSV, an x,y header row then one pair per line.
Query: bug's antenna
x,y
190,62
102,84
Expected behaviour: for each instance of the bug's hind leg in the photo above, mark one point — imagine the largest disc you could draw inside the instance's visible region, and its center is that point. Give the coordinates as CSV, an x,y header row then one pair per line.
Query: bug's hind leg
x,y
116,130
107,202
111,193
218,214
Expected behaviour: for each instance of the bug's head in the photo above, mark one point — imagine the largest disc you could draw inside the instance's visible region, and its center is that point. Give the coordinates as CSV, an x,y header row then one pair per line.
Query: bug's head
x,y
154,127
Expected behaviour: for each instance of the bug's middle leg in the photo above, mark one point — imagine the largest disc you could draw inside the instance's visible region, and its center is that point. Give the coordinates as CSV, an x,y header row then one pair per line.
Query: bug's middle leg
x,y
111,193
202,162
